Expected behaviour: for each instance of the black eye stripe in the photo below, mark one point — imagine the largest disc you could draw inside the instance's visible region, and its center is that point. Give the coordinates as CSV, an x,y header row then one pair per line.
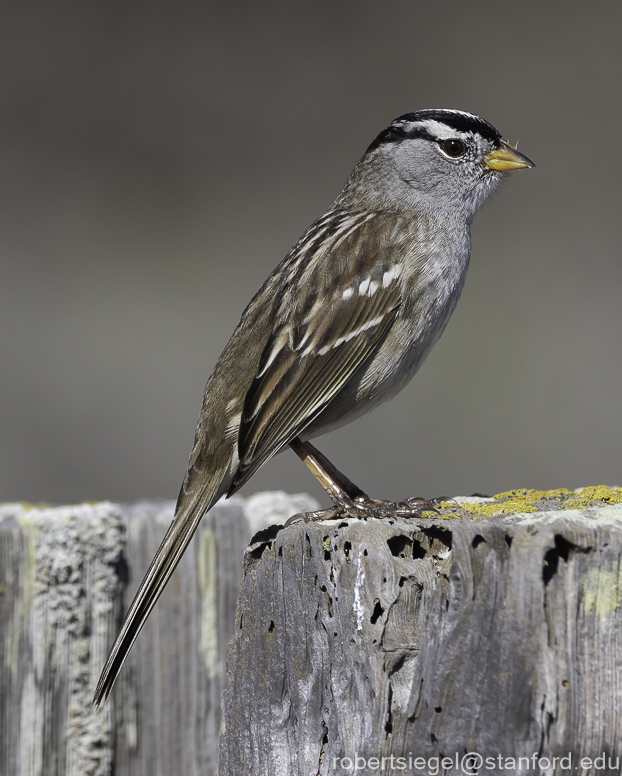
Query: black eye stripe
x,y
397,134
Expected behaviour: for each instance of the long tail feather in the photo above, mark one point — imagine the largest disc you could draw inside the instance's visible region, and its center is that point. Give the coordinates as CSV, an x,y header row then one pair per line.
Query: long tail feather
x,y
188,516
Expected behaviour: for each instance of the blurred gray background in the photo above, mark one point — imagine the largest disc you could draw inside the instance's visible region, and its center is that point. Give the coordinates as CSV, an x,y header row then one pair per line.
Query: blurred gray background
x,y
157,160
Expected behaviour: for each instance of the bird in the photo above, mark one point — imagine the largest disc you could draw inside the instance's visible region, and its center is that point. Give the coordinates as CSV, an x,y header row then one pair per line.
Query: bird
x,y
340,327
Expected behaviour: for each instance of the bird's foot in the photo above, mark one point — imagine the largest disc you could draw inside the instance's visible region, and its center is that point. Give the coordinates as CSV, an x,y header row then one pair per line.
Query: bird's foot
x,y
348,499
363,507
322,514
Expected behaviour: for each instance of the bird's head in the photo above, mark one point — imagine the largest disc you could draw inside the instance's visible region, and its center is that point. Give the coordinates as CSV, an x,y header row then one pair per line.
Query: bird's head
x,y
441,160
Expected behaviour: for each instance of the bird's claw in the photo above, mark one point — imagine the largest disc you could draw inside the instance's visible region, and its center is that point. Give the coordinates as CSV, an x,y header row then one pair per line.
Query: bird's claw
x,y
364,507
320,514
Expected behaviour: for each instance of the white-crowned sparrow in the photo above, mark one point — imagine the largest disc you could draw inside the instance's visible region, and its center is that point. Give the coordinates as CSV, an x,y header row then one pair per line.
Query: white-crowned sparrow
x,y
341,325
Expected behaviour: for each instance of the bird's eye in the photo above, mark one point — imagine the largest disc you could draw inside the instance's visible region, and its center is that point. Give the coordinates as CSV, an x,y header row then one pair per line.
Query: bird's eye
x,y
453,148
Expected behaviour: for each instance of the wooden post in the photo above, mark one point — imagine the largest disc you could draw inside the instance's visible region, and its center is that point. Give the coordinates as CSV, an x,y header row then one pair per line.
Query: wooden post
x,y
67,574
487,633
359,643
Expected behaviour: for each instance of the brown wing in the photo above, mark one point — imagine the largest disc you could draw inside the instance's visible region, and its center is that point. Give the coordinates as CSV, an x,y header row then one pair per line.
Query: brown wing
x,y
335,326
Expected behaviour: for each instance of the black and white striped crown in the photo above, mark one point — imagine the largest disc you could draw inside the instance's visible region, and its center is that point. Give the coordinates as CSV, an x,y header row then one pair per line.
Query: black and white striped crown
x,y
425,124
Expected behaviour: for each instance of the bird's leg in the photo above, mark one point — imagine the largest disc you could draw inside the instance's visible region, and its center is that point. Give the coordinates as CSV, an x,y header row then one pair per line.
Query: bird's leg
x,y
338,487
348,498
329,477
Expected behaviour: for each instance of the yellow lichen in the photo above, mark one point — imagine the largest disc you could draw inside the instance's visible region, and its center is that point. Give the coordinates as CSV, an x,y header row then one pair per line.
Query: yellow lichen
x,y
523,500
602,590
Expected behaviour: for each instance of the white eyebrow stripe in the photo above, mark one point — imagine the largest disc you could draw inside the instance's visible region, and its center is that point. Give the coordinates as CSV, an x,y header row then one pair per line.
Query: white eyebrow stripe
x,y
440,130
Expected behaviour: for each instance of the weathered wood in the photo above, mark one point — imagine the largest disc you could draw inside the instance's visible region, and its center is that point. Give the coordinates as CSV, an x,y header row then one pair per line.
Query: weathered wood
x,y
59,585
428,639
66,576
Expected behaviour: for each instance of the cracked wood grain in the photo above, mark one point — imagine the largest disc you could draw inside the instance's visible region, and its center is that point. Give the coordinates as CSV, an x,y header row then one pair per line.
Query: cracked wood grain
x,y
378,638
429,638
66,576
